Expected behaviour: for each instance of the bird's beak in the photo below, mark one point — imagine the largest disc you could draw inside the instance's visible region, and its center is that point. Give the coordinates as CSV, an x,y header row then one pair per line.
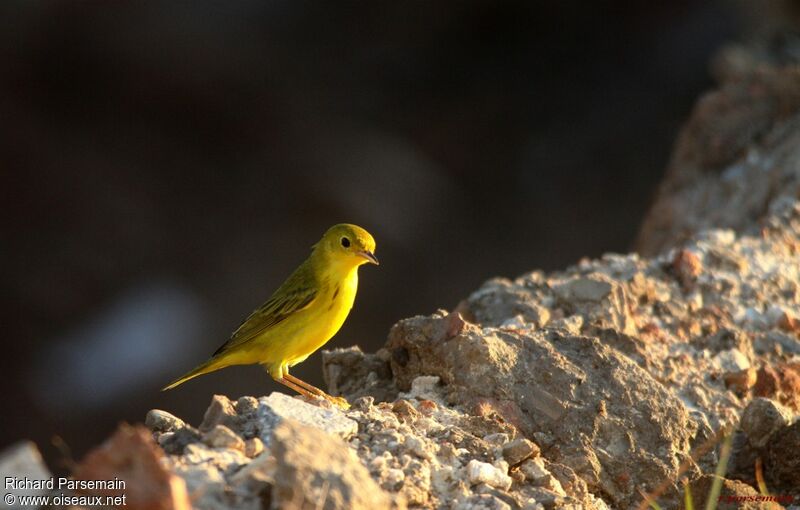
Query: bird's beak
x,y
369,256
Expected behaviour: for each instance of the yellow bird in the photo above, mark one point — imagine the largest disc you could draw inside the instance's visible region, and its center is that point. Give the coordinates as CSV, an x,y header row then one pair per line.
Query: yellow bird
x,y
302,315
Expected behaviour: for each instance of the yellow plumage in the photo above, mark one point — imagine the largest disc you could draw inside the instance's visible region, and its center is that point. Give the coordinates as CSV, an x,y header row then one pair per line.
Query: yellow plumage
x,y
302,315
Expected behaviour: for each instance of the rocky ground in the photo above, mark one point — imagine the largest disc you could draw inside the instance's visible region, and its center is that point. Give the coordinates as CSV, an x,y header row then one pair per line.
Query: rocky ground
x,y
583,388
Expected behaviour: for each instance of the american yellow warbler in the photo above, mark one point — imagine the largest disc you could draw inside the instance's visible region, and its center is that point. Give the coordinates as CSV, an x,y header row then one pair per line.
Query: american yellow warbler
x,y
303,314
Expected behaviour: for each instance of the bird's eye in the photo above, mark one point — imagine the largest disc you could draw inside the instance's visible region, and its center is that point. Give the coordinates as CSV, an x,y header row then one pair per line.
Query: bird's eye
x,y
345,242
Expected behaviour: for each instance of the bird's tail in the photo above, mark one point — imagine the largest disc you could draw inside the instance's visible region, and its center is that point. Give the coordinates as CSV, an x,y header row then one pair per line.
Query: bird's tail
x,y
208,366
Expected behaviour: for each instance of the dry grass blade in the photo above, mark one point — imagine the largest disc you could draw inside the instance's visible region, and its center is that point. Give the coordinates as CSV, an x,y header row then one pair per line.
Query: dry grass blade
x,y
650,502
719,474
699,452
762,484
688,502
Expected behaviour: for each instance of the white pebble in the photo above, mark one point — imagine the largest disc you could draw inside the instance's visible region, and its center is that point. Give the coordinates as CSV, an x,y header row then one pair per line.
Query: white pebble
x,y
497,439
395,476
482,472
377,463
416,446
534,469
732,360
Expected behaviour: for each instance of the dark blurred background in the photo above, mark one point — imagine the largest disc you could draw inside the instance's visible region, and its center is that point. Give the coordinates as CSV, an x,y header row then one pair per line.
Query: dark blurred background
x,y
166,164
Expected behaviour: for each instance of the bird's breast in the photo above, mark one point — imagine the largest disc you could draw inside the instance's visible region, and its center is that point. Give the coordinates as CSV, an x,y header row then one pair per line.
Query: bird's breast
x,y
339,299
326,316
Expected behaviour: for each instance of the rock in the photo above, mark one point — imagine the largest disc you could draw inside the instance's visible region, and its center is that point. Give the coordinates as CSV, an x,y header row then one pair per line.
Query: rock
x,y
221,411
733,345
781,382
584,289
207,472
395,478
729,156
318,470
246,405
482,502
732,360
741,465
767,382
431,451
257,476
788,321
687,266
487,306
240,417
175,442
483,472
223,437
600,300
519,450
356,374
162,421
424,387
253,447
23,461
534,470
734,494
535,375
572,324
225,461
549,499
278,407
782,459
762,418
403,409
132,455
740,381
775,342
573,485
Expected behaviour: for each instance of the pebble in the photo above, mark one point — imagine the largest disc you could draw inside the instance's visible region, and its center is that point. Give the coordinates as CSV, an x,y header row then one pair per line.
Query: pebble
x,y
253,447
483,472
498,438
534,469
741,381
584,289
220,410
174,443
571,324
395,476
762,418
404,410
162,421
519,450
424,386
732,360
223,437
278,407
246,405
482,502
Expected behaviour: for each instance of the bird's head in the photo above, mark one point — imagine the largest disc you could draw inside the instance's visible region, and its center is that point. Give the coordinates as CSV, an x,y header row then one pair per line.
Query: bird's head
x,y
348,243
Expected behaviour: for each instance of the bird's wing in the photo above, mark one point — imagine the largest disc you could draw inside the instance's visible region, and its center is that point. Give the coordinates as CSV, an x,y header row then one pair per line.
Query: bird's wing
x,y
297,293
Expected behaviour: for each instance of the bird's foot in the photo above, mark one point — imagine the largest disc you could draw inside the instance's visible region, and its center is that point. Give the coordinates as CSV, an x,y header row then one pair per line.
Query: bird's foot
x,y
327,401
312,392
339,402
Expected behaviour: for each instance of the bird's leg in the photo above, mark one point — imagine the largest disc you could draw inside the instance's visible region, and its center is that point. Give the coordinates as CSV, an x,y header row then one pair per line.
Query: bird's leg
x,y
337,401
298,389
303,384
